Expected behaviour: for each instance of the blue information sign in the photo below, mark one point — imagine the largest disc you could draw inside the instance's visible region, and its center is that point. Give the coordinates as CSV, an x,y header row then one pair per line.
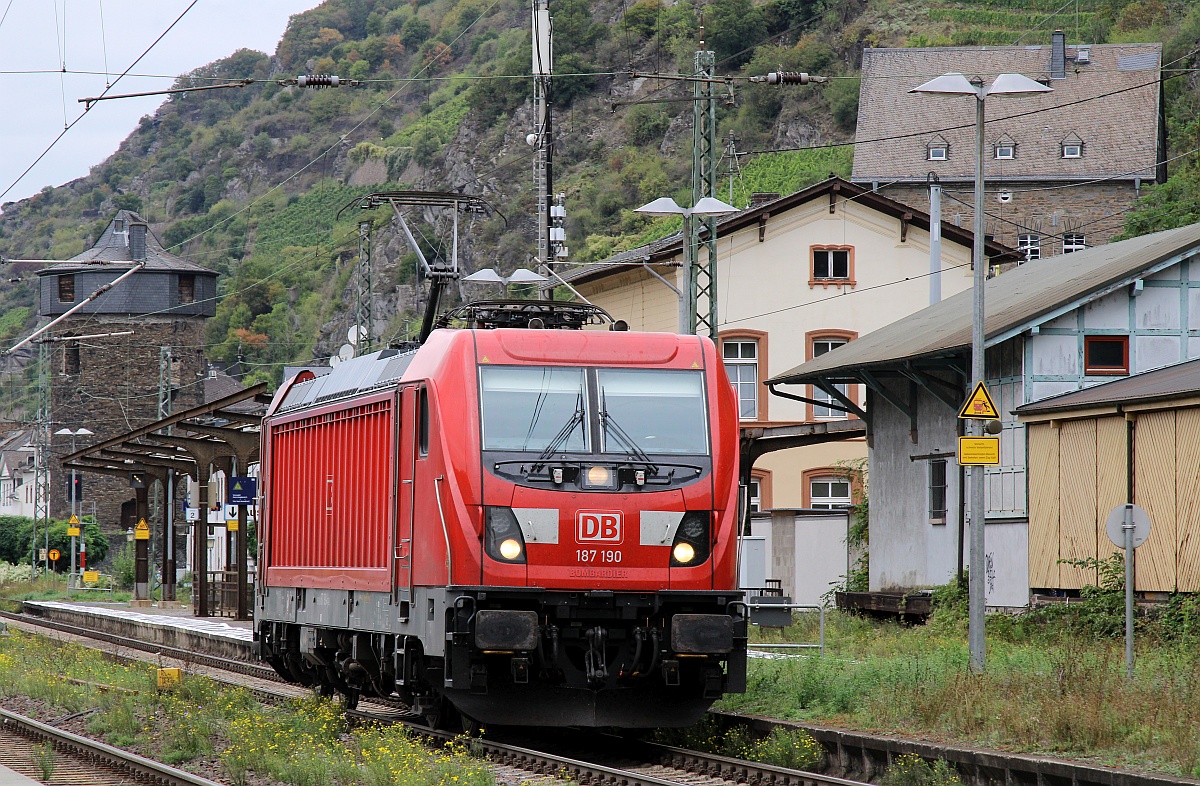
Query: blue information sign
x,y
242,491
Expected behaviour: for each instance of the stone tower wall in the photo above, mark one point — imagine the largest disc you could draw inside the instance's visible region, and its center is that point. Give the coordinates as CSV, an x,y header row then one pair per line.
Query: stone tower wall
x,y
110,386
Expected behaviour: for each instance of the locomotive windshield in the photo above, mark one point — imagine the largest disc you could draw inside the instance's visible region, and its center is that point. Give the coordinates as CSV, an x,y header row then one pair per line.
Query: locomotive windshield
x,y
534,408
546,410
652,411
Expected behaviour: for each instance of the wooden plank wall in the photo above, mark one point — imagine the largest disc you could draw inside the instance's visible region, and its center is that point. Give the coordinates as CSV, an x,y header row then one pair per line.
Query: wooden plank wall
x,y
1154,489
1077,509
1187,492
1043,505
1111,476
1078,474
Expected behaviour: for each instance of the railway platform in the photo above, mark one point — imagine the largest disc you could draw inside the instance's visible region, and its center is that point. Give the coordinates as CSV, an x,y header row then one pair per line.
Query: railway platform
x,y
13,778
169,627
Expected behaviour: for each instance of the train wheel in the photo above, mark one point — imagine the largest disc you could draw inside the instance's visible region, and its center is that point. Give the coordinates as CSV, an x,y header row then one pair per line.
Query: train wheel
x,y
470,726
443,716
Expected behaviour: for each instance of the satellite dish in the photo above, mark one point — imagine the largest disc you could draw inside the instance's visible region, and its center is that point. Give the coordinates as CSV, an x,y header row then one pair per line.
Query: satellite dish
x,y
346,351
334,361
354,333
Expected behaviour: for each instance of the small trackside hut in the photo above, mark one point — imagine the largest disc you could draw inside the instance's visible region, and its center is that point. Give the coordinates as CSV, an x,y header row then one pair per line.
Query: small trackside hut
x,y
521,526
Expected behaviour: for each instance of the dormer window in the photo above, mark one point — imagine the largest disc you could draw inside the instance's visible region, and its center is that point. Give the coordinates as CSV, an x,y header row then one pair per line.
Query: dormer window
x,y
1006,151
937,149
1072,147
118,226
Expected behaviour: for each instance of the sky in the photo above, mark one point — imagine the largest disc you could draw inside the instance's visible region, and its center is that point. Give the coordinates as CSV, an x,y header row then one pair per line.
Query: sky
x,y
44,34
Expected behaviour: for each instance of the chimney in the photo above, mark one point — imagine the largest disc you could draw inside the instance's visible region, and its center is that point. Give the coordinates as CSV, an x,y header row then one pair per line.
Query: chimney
x,y
1058,55
137,241
762,198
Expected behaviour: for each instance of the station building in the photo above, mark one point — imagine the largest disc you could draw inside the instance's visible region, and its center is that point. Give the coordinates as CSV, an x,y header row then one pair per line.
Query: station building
x,y
1053,326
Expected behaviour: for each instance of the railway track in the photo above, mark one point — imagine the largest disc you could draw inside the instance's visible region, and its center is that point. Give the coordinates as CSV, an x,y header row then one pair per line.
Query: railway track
x,y
601,761
69,758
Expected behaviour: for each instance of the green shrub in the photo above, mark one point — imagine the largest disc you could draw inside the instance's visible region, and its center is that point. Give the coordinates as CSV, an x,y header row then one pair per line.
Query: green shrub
x,y
911,770
646,124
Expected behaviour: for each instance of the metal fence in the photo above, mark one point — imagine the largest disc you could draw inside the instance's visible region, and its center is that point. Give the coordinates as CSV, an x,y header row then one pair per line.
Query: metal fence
x,y
223,592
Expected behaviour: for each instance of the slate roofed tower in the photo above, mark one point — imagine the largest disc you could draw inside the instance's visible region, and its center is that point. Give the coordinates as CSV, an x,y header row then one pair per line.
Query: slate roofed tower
x,y
110,383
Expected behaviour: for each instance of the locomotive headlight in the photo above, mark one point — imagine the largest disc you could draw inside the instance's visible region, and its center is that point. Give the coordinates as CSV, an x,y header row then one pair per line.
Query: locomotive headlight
x,y
683,552
692,542
502,538
599,477
510,549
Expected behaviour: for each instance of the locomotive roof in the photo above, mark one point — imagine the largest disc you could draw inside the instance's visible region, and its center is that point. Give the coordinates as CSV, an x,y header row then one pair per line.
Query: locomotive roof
x,y
350,377
387,367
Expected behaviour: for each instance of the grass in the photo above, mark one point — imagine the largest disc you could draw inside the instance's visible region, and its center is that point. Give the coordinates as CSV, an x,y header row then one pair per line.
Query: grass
x,y
305,742
1053,684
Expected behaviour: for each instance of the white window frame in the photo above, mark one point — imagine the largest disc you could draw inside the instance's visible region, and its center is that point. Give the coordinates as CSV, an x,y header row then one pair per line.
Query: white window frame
x,y
829,343
829,264
1007,152
743,374
1074,241
754,495
1031,244
1072,150
829,500
938,153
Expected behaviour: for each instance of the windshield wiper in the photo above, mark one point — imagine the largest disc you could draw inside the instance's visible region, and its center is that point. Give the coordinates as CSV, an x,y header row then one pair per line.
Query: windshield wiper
x,y
563,434
609,424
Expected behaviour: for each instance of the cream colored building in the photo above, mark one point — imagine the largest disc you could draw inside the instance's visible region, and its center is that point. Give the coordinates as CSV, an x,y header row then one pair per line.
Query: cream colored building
x,y
796,277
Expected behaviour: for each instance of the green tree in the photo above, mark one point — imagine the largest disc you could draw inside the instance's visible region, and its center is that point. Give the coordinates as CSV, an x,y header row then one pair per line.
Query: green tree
x,y
574,28
734,28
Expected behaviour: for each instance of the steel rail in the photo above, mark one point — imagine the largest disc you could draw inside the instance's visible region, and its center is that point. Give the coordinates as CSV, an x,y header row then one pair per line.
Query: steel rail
x,y
529,759
139,766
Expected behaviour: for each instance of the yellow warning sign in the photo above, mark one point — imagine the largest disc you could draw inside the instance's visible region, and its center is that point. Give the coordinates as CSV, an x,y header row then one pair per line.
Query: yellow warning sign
x,y
73,521
978,451
141,531
484,359
979,405
73,526
91,576
231,525
72,532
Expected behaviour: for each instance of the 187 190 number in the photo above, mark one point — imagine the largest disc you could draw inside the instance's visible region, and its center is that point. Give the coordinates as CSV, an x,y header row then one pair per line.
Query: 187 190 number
x,y
608,556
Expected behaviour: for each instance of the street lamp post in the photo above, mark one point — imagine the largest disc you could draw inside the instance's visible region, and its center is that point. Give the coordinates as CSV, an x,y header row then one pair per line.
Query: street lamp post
x,y
705,206
81,432
957,84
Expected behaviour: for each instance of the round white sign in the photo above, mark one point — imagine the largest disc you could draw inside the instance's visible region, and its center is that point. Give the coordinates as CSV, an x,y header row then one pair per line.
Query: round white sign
x,y
1116,522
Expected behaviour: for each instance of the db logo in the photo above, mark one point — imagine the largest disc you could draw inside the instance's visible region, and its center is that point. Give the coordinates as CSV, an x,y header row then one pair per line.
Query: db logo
x,y
601,526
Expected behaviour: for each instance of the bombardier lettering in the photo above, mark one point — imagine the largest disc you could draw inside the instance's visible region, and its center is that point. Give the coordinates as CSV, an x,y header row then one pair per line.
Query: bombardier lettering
x,y
598,573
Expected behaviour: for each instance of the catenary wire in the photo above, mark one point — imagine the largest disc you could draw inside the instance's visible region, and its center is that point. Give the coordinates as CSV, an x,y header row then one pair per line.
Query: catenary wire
x,y
83,114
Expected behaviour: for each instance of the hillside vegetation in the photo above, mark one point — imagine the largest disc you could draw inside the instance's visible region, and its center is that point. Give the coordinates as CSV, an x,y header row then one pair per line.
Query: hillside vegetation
x,y
249,181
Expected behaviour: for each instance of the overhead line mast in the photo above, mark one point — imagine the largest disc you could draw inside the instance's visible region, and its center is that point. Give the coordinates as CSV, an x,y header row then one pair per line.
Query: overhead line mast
x,y
543,173
702,292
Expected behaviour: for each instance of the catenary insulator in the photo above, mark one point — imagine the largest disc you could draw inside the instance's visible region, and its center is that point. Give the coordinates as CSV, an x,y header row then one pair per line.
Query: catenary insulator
x,y
789,78
318,80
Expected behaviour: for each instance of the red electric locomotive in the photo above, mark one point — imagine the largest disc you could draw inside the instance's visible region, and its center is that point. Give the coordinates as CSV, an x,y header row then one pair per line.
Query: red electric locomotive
x,y
530,527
